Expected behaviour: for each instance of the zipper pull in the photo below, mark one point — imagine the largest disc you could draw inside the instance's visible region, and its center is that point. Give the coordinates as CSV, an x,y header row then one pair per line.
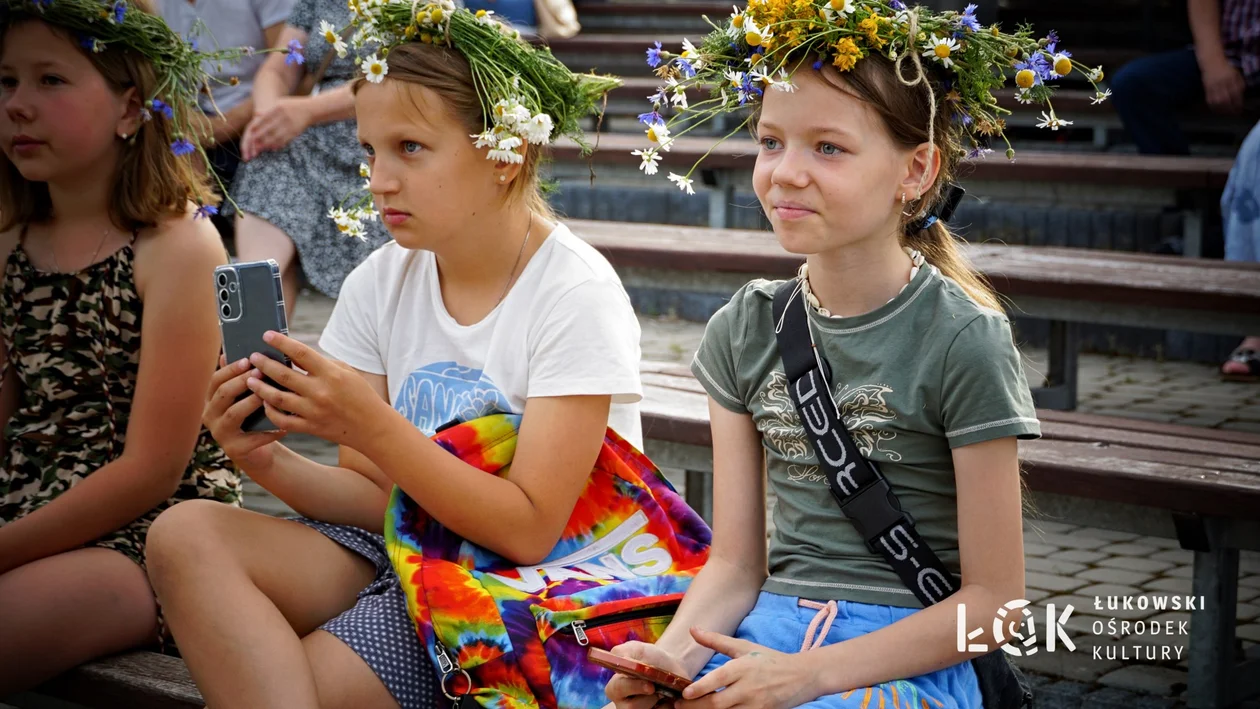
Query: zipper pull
x,y
445,664
579,632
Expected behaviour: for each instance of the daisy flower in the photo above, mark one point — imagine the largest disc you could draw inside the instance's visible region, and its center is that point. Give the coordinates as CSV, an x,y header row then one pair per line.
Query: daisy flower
x,y
1024,96
691,54
838,8
506,151
1096,75
754,35
333,38
736,27
538,129
659,135
486,17
1100,97
1051,121
1025,79
1062,63
650,160
375,68
679,99
940,49
684,183
366,214
364,170
783,82
485,140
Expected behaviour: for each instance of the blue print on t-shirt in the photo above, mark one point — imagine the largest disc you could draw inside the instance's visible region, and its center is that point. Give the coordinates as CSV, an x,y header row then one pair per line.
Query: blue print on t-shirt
x,y
444,391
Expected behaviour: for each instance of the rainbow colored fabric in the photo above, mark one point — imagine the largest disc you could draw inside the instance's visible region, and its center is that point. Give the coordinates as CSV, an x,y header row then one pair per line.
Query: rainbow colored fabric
x,y
623,562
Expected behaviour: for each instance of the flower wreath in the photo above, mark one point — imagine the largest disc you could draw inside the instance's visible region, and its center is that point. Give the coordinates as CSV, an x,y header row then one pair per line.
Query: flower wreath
x,y
754,50
526,94
178,61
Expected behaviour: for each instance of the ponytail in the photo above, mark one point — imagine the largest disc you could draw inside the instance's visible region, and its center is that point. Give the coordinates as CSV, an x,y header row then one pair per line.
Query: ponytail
x,y
941,249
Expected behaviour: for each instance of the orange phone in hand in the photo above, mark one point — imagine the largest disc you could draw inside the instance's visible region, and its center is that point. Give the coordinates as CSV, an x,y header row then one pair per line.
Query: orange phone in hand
x,y
667,684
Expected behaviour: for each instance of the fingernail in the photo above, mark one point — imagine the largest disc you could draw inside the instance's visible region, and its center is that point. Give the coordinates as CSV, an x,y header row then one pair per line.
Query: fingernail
x,y
268,336
243,364
255,358
256,374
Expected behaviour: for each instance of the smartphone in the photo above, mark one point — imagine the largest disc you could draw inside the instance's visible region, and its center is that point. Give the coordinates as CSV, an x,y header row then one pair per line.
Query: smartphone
x,y
251,302
667,684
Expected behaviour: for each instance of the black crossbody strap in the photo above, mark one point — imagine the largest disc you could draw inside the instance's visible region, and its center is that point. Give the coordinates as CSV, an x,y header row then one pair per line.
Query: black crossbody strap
x,y
862,491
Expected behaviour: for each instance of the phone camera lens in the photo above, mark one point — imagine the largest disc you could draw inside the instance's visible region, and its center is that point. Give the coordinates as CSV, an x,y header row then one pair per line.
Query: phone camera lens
x,y
227,310
223,294
223,280
232,287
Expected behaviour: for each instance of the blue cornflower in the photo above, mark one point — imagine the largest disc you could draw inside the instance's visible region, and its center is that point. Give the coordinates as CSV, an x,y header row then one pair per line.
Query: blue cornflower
x,y
182,147
162,108
294,53
91,44
747,90
41,4
968,18
686,68
650,118
654,56
1052,41
818,65
120,11
898,5
206,211
659,97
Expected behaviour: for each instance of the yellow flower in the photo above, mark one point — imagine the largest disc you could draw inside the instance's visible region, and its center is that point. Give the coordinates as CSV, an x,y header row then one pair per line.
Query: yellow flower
x,y
409,32
438,16
1096,75
1062,65
870,27
847,54
1025,78
426,38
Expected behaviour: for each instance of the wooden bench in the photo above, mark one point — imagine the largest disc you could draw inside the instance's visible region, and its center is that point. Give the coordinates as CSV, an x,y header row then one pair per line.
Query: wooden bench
x,y
1199,486
1065,286
1161,179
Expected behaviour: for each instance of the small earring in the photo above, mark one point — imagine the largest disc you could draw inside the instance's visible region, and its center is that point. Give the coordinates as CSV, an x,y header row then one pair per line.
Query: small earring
x,y
502,178
123,136
903,199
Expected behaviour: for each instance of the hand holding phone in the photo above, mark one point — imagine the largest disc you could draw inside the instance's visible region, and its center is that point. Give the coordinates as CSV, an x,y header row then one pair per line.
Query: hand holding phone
x,y
251,302
667,683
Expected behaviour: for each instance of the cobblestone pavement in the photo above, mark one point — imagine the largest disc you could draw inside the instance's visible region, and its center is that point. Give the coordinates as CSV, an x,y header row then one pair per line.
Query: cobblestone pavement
x,y
1065,563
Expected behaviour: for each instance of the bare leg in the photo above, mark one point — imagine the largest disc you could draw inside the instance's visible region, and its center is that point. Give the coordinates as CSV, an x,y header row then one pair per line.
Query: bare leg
x,y
239,590
258,240
342,678
64,610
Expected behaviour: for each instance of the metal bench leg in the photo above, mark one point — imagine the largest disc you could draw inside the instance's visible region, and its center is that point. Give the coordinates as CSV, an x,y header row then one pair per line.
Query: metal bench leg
x,y
1216,680
700,493
1064,353
721,197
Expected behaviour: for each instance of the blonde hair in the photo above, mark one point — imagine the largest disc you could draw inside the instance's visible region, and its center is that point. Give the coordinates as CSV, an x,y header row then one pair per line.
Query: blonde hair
x,y
150,182
446,72
907,112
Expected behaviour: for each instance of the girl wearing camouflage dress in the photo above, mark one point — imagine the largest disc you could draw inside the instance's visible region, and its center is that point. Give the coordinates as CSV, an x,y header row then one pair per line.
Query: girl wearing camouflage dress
x,y
108,330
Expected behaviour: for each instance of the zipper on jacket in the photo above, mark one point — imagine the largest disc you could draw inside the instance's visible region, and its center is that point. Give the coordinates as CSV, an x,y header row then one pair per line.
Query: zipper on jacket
x,y
578,628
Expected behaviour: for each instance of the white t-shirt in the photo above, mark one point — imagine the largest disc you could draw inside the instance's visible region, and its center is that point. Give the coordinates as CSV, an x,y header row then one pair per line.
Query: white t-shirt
x,y
566,328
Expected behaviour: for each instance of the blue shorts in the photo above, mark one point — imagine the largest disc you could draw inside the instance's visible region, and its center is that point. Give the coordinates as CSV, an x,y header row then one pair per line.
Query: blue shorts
x,y
782,623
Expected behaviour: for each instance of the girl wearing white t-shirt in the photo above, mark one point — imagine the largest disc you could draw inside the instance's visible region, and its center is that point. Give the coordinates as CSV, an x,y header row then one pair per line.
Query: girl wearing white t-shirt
x,y
482,304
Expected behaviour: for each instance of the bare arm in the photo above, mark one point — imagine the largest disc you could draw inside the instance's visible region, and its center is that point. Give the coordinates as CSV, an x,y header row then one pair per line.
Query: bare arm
x,y
355,492
558,443
276,79
1223,83
179,339
726,588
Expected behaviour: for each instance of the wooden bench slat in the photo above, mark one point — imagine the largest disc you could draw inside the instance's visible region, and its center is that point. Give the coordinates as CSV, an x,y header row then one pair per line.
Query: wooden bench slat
x,y
1168,429
136,680
1150,171
1015,271
1171,444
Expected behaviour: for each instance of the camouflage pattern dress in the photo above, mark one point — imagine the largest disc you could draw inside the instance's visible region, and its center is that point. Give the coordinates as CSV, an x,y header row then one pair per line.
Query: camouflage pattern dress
x,y
74,341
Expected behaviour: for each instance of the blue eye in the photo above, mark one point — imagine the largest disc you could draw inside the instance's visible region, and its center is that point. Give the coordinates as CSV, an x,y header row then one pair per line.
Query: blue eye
x,y
368,149
411,147
769,143
829,149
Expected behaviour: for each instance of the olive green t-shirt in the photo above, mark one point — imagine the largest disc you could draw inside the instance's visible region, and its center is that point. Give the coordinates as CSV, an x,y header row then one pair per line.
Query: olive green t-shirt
x,y
929,371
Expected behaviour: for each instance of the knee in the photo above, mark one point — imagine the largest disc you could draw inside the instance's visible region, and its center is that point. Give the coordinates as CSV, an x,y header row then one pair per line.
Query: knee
x,y
183,536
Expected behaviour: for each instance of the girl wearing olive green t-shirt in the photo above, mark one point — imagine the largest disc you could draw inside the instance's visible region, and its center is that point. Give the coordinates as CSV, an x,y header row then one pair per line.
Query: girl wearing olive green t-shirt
x,y
928,383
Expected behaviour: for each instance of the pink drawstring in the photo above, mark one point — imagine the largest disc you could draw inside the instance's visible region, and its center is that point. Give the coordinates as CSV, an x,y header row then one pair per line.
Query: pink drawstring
x,y
826,613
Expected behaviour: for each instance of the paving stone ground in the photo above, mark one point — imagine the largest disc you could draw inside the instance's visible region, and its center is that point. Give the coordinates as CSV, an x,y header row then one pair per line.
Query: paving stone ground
x,y
1132,665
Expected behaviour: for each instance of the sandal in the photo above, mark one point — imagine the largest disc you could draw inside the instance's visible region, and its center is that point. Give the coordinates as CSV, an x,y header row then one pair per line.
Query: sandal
x,y
1249,357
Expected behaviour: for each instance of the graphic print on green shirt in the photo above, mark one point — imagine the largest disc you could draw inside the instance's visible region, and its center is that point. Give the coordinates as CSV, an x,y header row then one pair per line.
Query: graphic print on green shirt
x,y
929,371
